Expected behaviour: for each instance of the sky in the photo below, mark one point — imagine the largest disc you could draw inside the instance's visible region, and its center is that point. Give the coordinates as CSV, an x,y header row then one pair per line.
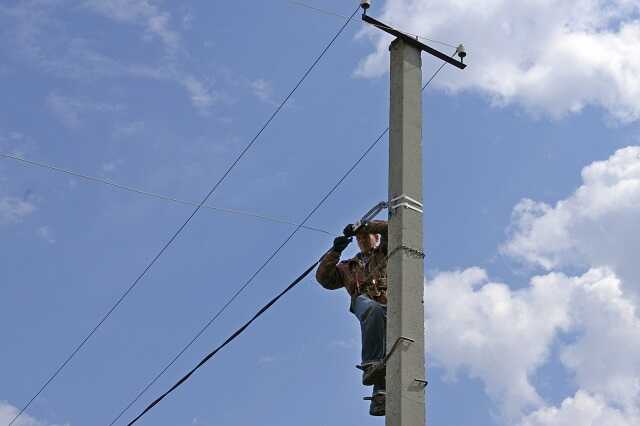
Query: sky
x,y
531,193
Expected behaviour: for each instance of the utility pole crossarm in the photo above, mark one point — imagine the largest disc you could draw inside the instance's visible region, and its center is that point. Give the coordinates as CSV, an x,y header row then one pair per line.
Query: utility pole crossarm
x,y
413,41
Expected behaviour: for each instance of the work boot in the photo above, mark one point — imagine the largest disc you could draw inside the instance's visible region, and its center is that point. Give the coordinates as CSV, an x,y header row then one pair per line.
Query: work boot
x,y
373,373
377,407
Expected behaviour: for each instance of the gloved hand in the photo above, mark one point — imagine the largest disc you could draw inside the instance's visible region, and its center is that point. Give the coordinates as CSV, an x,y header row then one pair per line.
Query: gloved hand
x,y
341,243
349,230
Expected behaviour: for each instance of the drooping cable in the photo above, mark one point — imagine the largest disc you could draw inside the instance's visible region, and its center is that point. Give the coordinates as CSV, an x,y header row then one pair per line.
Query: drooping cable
x,y
155,195
226,342
186,222
252,277
248,282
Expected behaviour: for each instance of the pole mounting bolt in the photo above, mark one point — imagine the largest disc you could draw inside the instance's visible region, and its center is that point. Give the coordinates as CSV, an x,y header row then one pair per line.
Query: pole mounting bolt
x,y
461,52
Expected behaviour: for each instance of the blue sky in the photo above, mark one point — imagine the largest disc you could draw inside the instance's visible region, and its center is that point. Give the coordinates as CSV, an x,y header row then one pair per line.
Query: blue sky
x,y
532,190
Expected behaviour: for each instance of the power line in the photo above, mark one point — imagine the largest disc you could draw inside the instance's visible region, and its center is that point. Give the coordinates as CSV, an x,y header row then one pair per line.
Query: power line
x,y
269,259
338,15
156,195
175,235
226,342
253,276
248,282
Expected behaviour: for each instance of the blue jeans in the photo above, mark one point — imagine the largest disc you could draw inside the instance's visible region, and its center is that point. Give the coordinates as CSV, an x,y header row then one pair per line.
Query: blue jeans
x,y
373,326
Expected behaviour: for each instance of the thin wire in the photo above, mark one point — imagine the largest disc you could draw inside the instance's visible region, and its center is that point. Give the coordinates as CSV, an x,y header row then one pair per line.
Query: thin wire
x,y
337,15
204,200
248,282
317,9
155,195
226,342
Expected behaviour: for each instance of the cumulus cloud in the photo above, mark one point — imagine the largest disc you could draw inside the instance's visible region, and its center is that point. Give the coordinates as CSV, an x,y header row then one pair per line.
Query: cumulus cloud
x,y
587,324
604,356
597,225
502,337
583,409
495,334
554,57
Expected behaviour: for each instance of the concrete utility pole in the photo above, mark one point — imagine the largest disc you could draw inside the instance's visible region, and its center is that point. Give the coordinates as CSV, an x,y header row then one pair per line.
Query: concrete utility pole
x,y
406,379
405,270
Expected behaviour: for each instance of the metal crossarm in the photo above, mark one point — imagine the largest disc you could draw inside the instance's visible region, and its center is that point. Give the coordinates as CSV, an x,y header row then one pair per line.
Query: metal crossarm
x,y
413,41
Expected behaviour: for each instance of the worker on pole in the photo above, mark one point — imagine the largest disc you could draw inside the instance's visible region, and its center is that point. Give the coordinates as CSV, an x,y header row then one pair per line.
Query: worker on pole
x,y
365,279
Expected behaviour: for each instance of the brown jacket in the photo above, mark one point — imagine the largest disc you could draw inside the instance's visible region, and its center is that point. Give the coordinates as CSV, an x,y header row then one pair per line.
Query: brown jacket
x,y
360,274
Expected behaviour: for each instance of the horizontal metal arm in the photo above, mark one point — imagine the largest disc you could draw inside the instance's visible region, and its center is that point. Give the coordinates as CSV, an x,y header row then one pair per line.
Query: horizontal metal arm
x,y
414,42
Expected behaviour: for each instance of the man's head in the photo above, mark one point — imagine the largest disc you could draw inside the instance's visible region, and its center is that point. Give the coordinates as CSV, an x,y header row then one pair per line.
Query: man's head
x,y
366,241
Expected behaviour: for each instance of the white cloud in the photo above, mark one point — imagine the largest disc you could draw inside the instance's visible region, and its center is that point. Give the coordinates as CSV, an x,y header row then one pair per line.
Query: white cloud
x,y
502,337
37,32
202,97
495,334
581,410
8,412
587,324
13,210
595,226
604,355
549,56
142,12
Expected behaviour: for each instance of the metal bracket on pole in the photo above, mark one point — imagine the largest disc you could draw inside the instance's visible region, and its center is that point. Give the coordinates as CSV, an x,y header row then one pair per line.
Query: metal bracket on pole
x,y
421,383
406,202
395,345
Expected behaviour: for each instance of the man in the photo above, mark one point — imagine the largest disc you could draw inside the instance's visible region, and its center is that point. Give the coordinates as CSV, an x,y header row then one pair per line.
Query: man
x,y
365,278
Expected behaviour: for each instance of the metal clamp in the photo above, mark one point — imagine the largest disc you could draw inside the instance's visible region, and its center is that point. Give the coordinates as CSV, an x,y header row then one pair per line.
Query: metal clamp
x,y
406,202
371,214
422,383
395,345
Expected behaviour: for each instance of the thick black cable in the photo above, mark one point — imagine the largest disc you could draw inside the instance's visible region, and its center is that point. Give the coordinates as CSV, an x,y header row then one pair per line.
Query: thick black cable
x,y
175,235
226,342
246,284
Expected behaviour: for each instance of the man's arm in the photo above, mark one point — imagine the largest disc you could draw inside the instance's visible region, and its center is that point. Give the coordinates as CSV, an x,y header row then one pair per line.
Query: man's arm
x,y
328,274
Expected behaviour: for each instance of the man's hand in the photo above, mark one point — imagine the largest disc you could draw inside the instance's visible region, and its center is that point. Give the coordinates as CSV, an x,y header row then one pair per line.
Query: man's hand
x,y
349,230
341,243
